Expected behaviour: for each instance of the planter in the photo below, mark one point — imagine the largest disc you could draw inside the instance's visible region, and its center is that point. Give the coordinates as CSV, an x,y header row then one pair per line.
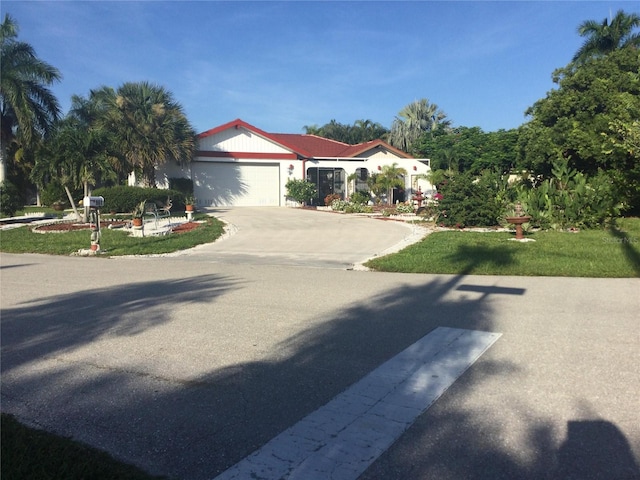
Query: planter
x,y
189,208
137,222
58,207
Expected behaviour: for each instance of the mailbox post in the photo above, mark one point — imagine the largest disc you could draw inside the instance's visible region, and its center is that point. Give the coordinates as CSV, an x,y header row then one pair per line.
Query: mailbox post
x,y
94,204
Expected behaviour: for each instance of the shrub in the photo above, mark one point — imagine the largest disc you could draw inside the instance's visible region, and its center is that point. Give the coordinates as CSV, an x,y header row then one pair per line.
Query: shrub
x,y
125,198
406,207
338,204
52,193
361,197
329,199
300,191
182,185
570,199
10,200
467,201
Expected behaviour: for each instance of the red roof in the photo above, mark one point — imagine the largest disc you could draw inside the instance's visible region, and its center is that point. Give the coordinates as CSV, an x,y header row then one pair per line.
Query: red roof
x,y
309,146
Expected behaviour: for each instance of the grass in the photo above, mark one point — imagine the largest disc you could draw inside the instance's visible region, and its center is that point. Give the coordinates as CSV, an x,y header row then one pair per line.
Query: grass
x,y
113,242
30,454
614,252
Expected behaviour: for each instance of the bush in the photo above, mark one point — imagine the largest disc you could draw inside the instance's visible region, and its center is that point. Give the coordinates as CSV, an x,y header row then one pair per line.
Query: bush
x,y
53,193
570,199
467,201
361,197
10,200
182,185
329,199
300,191
125,198
338,204
406,207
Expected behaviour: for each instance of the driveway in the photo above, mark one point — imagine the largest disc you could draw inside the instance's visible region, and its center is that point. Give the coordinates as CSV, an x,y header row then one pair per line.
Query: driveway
x,y
185,365
300,237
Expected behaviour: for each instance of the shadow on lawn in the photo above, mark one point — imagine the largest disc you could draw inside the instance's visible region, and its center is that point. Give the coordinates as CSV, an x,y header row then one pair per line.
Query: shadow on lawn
x,y
630,247
196,429
474,259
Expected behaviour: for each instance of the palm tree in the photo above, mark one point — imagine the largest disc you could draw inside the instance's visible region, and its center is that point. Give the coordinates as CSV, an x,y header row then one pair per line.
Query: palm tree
x,y
605,37
28,109
75,156
150,127
413,121
390,177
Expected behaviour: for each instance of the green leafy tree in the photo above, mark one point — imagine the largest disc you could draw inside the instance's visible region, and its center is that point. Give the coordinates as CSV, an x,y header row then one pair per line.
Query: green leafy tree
x,y
605,37
414,120
150,127
361,131
28,109
574,121
470,149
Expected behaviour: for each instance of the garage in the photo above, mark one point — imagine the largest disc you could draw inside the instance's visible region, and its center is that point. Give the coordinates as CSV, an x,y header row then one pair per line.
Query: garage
x,y
226,184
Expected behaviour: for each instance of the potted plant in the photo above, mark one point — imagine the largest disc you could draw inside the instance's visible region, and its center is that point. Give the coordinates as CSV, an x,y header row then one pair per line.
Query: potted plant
x,y
138,213
190,203
58,205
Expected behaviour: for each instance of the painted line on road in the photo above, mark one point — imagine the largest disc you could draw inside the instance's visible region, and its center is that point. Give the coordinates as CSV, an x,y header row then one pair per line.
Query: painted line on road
x,y
343,438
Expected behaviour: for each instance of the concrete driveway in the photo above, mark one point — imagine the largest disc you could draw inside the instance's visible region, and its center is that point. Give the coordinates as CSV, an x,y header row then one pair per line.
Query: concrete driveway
x,y
185,365
309,238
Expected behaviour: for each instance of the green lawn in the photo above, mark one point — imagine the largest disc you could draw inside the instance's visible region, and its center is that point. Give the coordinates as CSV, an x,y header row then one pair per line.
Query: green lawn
x,y
113,242
30,454
612,252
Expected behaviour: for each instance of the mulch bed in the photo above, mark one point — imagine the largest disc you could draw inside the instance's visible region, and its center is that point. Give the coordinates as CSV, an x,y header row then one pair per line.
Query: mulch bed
x,y
68,226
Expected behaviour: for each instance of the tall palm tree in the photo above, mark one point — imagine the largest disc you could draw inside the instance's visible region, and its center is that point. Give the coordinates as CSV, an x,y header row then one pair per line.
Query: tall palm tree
x,y
413,121
28,109
605,37
150,127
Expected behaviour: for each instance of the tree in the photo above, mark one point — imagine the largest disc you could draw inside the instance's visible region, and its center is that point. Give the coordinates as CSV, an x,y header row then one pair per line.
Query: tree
x,y
74,156
574,121
604,38
413,121
390,177
470,149
149,125
361,131
28,109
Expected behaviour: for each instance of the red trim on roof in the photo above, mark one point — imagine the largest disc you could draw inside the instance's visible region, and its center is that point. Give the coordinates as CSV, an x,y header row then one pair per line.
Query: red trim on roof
x,y
252,155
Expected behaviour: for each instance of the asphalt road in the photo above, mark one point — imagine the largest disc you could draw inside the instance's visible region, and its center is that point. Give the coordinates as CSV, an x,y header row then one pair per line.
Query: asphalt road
x,y
184,365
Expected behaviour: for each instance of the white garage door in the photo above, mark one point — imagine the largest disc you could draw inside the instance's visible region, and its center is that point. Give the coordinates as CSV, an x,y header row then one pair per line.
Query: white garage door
x,y
236,184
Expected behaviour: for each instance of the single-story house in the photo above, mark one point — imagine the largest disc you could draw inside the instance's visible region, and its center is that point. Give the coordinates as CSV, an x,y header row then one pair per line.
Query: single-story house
x,y
237,164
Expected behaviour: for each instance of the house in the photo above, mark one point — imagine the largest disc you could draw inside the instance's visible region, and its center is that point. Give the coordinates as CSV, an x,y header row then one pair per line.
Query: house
x,y
237,164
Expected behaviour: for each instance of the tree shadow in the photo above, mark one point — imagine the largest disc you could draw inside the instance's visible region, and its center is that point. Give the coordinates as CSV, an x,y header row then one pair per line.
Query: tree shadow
x,y
473,258
628,245
49,325
198,427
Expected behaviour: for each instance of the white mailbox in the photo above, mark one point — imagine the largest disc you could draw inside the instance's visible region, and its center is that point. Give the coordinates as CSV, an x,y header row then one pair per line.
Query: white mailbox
x,y
93,202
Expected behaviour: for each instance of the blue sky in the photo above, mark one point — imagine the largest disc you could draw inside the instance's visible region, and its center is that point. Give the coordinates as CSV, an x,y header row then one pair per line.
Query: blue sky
x,y
283,65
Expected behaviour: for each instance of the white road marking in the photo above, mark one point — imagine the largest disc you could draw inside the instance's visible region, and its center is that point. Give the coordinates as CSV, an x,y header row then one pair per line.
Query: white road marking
x,y
340,440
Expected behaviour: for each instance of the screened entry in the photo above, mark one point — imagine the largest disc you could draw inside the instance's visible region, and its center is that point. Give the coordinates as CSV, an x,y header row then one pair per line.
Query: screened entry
x,y
327,181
